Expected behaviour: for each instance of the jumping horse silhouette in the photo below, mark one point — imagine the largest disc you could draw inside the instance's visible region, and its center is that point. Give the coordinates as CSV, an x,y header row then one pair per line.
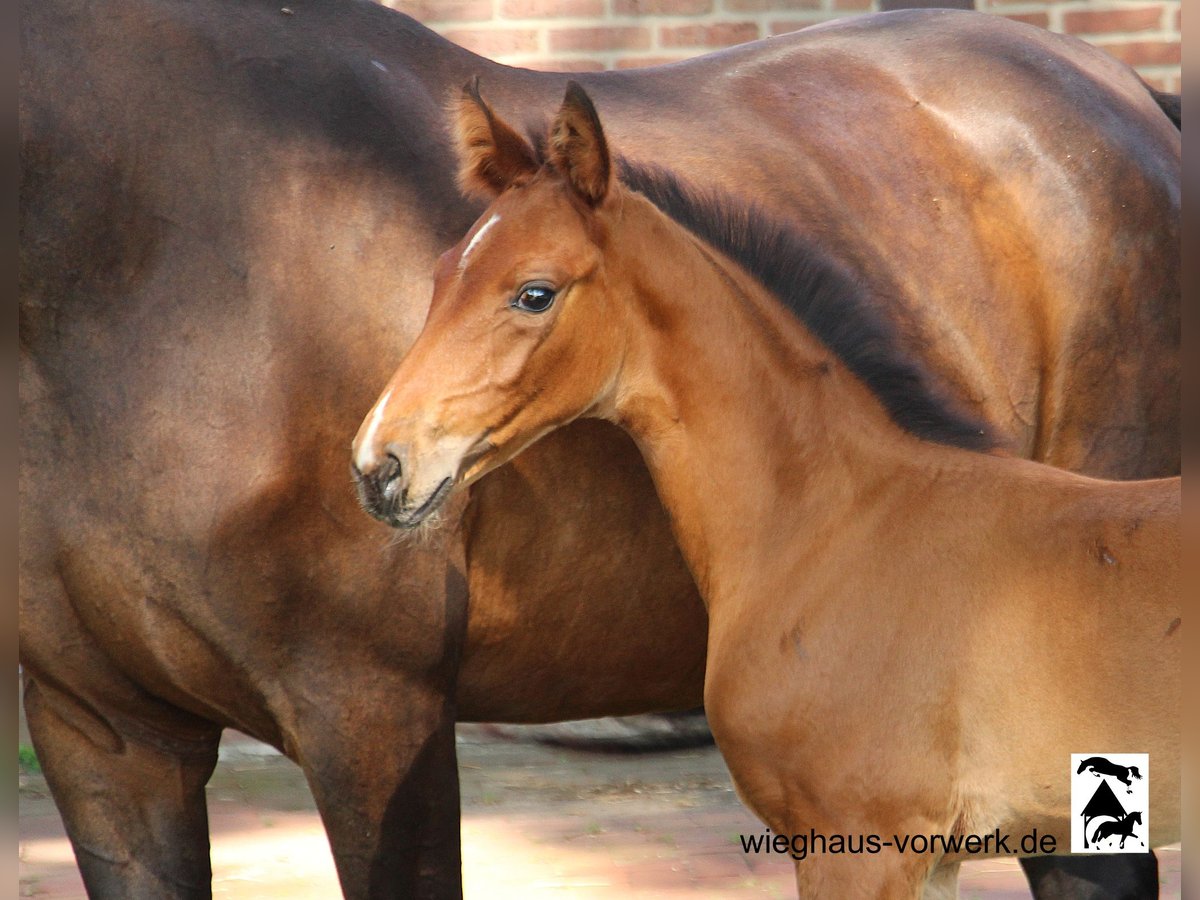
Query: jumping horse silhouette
x,y
1101,766
1122,827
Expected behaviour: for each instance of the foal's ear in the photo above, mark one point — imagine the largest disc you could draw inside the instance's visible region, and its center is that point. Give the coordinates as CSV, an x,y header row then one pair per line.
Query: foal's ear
x,y
491,155
578,148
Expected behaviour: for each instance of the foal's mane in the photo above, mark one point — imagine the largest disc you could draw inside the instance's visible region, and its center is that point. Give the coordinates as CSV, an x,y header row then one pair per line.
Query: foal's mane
x,y
823,294
818,289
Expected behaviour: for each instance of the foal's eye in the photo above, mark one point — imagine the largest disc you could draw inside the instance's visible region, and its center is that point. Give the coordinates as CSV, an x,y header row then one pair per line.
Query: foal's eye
x,y
535,297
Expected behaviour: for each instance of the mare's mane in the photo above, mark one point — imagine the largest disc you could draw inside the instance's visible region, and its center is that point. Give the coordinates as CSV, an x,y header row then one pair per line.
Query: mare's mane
x,y
823,294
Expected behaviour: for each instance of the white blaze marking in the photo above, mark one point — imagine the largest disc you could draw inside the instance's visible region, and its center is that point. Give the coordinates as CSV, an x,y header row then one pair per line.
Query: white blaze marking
x,y
365,457
462,260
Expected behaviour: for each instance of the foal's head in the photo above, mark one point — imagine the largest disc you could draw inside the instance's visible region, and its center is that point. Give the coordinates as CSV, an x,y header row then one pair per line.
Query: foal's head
x,y
523,334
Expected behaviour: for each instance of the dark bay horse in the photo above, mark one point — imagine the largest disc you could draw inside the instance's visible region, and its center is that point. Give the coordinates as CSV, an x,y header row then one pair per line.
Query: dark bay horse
x,y
228,219
902,632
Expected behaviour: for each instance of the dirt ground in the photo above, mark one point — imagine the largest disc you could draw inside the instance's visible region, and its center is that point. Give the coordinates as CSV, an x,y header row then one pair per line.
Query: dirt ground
x,y
538,822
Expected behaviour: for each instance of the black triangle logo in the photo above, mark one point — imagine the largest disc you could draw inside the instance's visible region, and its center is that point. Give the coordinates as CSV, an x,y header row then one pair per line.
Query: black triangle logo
x,y
1103,803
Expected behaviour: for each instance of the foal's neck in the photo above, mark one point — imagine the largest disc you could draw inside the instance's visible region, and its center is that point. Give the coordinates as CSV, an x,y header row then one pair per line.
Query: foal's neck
x,y
758,437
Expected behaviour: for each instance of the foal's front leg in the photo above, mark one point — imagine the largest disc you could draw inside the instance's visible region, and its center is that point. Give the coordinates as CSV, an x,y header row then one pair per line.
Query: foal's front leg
x,y
942,883
887,876
808,760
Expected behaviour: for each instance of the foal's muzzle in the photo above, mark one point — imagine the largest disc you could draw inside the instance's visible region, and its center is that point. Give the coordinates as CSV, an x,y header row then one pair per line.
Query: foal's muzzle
x,y
386,495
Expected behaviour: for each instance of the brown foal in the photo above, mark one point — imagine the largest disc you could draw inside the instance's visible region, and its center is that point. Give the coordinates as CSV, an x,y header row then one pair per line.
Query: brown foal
x,y
906,637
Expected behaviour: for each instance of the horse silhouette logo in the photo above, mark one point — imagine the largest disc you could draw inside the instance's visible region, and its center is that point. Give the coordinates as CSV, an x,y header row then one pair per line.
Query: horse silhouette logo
x,y
1098,765
1124,827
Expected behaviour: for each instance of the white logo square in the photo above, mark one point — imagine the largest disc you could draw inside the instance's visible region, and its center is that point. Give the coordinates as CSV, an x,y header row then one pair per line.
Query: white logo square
x,y
1110,802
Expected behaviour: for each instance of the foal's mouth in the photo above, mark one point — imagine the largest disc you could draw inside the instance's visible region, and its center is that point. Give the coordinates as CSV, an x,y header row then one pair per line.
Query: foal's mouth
x,y
411,518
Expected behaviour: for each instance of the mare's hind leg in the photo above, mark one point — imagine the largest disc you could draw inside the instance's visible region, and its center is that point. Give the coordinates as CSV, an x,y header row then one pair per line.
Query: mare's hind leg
x,y
1126,876
132,798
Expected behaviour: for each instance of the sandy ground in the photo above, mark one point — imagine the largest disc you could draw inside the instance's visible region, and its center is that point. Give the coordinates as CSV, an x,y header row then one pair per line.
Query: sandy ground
x,y
538,822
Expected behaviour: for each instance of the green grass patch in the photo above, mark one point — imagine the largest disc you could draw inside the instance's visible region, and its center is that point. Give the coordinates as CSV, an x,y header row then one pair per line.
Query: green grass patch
x,y
27,760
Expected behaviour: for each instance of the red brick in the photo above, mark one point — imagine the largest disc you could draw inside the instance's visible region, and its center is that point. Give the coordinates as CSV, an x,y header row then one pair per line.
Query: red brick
x,y
1107,21
1145,53
661,7
545,9
641,62
1040,19
793,24
559,65
721,34
495,41
415,8
445,10
774,5
601,38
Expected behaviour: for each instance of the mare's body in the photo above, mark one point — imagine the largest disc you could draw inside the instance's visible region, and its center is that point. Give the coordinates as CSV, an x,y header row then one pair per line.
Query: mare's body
x,y
905,637
228,217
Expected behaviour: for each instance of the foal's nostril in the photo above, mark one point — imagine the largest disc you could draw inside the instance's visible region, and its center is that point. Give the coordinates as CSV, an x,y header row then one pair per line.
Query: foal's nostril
x,y
388,471
378,485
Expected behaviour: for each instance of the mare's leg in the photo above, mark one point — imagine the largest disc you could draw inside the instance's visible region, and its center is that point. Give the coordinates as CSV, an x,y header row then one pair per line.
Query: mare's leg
x,y
382,768
1127,876
373,729
131,793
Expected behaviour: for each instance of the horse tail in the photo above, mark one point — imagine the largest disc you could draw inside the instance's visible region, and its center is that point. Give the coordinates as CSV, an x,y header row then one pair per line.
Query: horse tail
x,y
1132,771
1170,104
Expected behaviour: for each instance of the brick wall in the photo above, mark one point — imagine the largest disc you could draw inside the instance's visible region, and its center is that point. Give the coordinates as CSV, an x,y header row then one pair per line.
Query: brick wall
x,y
582,35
